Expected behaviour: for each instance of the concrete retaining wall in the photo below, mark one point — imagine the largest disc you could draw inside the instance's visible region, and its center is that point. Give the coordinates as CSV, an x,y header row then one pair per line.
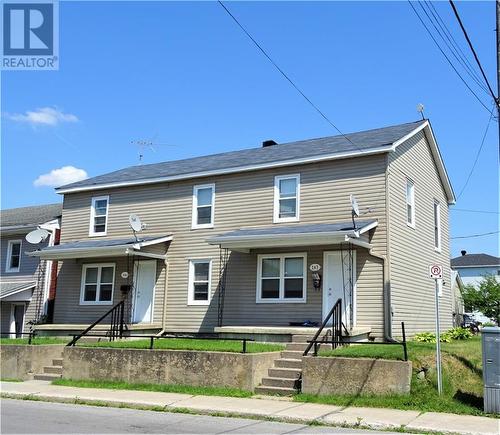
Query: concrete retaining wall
x,y
328,375
24,361
183,367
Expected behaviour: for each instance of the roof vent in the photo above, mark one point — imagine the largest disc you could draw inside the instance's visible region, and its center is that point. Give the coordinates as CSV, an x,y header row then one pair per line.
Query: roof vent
x,y
268,143
463,253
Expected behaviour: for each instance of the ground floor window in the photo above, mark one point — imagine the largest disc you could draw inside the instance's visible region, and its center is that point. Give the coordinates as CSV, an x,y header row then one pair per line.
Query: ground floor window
x,y
281,278
97,284
200,272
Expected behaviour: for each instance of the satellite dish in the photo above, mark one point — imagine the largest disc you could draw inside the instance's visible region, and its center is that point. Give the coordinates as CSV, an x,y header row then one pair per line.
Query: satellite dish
x,y
354,206
37,236
135,223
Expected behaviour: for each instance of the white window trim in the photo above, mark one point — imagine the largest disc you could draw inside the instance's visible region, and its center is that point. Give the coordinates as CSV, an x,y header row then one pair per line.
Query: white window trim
x,y
281,299
98,289
92,233
9,269
194,224
276,214
410,182
192,262
437,223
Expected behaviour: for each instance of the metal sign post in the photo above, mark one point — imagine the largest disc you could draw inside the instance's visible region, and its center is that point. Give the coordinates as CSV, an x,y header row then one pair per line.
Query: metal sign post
x,y
436,272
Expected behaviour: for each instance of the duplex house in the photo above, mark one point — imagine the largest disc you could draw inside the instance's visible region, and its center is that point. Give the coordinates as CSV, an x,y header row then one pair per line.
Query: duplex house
x,y
27,285
262,239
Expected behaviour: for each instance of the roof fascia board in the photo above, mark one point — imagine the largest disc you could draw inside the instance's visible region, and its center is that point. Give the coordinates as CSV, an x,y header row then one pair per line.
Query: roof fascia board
x,y
475,265
232,170
140,245
21,289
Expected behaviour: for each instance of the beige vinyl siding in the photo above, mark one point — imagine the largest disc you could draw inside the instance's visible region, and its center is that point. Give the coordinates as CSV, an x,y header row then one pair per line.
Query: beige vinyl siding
x,y
412,249
241,200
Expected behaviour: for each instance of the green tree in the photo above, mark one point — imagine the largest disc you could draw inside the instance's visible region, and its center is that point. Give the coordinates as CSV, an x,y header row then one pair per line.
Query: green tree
x,y
485,297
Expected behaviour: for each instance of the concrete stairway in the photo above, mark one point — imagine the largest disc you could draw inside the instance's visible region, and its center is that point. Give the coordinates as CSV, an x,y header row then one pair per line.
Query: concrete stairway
x,y
51,373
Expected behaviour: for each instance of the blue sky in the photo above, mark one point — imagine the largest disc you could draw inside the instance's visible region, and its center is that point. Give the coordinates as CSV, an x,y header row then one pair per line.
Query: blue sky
x,y
184,74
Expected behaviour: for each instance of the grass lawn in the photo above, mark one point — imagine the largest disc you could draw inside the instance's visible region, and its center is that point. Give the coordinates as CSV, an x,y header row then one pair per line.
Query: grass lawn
x,y
188,344
462,378
36,340
185,389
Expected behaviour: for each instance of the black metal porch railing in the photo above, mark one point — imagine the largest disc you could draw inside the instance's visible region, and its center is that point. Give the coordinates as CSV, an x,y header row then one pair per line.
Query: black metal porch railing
x,y
336,315
30,335
117,324
344,342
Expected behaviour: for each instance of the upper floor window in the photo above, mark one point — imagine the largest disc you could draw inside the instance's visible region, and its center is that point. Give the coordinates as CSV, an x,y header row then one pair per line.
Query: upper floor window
x,y
13,256
97,284
200,272
286,198
99,216
437,226
410,203
203,206
281,278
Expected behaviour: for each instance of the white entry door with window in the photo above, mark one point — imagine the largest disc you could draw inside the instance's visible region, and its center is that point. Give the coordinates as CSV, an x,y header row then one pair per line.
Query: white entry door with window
x,y
336,285
144,291
17,320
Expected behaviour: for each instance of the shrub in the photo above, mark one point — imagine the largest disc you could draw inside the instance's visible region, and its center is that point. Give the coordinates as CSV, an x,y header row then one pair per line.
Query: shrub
x,y
459,334
430,337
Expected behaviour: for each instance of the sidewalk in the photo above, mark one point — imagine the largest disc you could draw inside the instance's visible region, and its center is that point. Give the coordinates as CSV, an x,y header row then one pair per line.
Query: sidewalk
x,y
374,418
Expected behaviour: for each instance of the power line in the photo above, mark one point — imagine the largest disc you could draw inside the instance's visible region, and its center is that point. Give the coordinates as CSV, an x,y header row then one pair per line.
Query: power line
x,y
473,52
475,235
285,75
477,156
474,211
447,58
451,43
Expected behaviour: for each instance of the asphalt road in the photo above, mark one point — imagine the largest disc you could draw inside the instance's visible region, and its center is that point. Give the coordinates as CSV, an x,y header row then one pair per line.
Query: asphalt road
x,y
24,416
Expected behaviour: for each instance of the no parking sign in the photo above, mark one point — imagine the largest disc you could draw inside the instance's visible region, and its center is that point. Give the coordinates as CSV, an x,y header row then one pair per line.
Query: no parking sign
x,y
436,271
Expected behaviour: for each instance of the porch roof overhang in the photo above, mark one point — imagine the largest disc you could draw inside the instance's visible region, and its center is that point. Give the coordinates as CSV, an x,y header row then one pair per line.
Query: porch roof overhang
x,y
102,248
245,239
18,291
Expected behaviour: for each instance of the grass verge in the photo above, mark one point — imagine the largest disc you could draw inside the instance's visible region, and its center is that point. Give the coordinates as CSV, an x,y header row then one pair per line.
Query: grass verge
x,y
462,378
188,344
184,389
35,341
10,380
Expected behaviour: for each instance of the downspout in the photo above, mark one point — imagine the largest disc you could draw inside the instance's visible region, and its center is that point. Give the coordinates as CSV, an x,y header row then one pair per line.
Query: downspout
x,y
164,314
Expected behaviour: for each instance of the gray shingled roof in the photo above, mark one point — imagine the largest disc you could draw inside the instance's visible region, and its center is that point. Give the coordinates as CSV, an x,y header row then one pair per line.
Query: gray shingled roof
x,y
11,288
34,215
471,260
363,141
295,229
101,243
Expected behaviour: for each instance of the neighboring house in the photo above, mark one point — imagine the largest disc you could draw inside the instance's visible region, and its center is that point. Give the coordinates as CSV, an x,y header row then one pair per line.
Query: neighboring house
x,y
456,294
230,238
25,281
474,267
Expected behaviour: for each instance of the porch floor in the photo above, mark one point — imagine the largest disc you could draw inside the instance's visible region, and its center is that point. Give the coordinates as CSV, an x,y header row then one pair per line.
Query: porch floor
x,y
279,330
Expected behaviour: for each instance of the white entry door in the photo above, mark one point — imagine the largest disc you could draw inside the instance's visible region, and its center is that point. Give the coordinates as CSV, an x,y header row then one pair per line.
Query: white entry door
x,y
144,290
336,285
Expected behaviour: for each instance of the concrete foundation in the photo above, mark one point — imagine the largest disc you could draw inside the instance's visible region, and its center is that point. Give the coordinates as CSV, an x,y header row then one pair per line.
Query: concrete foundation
x,y
353,376
182,367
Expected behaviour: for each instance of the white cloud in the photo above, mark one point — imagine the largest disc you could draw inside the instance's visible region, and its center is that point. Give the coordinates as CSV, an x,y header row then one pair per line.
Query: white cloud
x,y
61,176
43,116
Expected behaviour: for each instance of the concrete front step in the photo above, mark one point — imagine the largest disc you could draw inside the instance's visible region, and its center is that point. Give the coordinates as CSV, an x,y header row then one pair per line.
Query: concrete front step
x,y
292,354
46,377
278,382
288,363
57,370
275,391
284,373
296,346
57,362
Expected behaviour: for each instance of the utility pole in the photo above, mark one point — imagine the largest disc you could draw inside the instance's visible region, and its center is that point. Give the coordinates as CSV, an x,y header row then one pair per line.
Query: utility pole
x,y
498,71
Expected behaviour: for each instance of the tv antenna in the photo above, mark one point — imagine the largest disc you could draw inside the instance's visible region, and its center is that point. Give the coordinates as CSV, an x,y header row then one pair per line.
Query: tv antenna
x,y
136,224
354,209
37,236
420,109
147,144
